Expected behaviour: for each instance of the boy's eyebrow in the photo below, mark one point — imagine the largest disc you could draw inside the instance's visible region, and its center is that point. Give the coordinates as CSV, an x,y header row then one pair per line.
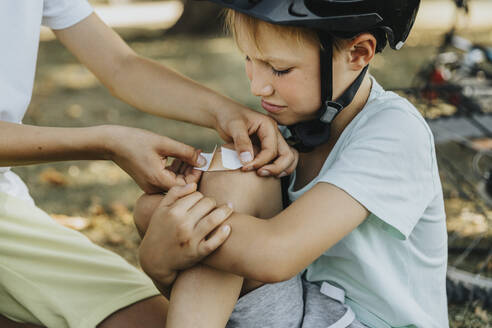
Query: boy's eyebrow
x,y
277,59
270,59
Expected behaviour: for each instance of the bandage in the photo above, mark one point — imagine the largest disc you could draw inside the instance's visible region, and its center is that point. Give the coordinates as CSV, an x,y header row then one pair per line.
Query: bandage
x,y
230,160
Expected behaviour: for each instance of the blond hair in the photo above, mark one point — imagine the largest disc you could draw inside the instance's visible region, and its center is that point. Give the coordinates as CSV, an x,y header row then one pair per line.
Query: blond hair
x,y
234,19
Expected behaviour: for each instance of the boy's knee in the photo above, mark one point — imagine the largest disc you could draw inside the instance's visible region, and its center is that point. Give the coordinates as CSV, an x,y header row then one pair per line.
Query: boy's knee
x,y
144,209
248,193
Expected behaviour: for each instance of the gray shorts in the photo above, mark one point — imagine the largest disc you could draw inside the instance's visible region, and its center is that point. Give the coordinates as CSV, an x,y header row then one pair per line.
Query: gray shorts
x,y
293,303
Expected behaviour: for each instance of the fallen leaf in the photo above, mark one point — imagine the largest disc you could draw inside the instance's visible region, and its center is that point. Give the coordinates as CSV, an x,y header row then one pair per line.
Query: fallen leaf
x,y
53,177
72,222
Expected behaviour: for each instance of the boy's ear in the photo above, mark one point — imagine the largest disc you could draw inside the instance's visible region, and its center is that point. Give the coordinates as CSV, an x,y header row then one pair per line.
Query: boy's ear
x,y
362,50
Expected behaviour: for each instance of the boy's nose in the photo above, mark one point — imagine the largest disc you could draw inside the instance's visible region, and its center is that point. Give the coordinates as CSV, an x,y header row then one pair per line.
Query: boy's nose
x,y
260,88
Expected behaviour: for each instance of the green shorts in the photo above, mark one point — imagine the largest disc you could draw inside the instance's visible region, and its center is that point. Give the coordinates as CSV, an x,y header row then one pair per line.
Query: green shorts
x,y
56,277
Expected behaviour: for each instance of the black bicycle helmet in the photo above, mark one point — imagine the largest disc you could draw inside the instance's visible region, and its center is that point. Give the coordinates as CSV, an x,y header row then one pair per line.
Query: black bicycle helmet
x,y
388,20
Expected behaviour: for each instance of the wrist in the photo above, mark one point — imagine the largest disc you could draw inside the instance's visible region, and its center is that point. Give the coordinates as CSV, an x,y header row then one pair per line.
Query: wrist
x,y
164,279
168,279
223,109
107,141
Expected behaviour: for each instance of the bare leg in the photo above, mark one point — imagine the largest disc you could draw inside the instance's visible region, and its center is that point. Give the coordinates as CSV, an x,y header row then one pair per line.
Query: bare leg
x,y
6,323
150,312
203,296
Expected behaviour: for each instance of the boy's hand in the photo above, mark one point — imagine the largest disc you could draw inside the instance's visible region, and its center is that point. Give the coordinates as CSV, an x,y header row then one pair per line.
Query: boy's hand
x,y
185,225
239,125
143,156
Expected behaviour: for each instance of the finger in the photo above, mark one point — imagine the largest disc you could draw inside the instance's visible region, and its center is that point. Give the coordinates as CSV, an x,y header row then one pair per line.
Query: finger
x,y
193,176
293,166
207,246
175,165
182,151
183,168
242,142
268,138
168,179
176,193
201,209
184,204
210,222
286,157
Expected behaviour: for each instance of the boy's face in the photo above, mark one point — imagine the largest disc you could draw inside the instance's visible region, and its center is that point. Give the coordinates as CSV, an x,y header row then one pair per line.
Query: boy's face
x,y
285,73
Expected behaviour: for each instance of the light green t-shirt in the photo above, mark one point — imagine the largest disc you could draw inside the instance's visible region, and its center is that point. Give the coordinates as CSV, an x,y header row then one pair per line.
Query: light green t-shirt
x,y
392,266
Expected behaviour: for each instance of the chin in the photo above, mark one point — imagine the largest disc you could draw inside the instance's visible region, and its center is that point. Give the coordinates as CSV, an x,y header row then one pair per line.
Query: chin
x,y
287,120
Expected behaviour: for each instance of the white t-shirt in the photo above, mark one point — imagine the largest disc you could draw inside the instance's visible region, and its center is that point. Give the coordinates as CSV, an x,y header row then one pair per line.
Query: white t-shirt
x,y
393,265
20,22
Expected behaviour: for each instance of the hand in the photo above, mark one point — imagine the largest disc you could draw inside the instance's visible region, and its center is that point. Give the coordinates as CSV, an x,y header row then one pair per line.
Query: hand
x,y
285,163
238,125
182,231
143,156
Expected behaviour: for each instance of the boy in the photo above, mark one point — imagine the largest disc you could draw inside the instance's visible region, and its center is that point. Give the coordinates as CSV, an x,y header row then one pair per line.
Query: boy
x,y
52,276
366,225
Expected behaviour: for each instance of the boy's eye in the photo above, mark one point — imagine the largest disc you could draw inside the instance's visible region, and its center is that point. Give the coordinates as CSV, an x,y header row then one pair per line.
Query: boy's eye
x,y
247,58
280,73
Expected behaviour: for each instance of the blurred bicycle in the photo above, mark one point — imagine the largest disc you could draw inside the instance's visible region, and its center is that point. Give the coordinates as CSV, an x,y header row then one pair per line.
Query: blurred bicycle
x,y
454,93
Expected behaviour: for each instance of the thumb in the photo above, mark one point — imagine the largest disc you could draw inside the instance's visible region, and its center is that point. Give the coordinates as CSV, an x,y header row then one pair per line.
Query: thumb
x,y
242,142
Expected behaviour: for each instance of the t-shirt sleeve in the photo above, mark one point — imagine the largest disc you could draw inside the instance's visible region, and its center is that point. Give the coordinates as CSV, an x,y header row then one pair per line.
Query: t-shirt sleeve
x,y
387,166
60,14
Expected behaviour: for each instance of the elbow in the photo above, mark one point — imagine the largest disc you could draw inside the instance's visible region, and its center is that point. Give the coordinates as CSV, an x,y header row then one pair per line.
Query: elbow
x,y
117,85
273,267
273,274
274,277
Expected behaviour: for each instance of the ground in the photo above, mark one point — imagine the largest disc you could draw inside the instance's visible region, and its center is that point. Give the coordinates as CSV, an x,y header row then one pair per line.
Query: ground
x,y
97,198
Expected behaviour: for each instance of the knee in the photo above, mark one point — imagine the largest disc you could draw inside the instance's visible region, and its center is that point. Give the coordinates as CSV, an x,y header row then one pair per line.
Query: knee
x,y
144,209
248,193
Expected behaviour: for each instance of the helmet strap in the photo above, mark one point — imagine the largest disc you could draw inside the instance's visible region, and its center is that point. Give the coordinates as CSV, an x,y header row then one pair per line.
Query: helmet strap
x,y
308,135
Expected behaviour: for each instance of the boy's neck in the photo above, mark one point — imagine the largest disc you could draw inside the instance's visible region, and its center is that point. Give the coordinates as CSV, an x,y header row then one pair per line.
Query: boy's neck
x,y
311,163
349,112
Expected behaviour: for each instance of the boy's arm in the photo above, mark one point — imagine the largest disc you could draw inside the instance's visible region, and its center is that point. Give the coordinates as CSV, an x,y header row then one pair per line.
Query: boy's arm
x,y
277,249
203,296
153,88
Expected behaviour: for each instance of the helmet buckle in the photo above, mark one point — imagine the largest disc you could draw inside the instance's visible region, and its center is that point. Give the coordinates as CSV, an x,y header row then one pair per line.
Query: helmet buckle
x,y
331,110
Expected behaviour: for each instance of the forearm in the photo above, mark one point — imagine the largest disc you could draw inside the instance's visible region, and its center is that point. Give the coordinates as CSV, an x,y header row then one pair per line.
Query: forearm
x,y
203,297
25,144
155,89
250,251
143,83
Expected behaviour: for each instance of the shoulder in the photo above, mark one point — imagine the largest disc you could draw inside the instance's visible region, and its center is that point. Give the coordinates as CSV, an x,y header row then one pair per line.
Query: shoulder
x,y
61,14
392,116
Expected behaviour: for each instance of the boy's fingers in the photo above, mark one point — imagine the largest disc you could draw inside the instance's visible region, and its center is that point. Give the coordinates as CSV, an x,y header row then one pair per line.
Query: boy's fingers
x,y
177,192
205,247
201,209
210,222
242,142
185,203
